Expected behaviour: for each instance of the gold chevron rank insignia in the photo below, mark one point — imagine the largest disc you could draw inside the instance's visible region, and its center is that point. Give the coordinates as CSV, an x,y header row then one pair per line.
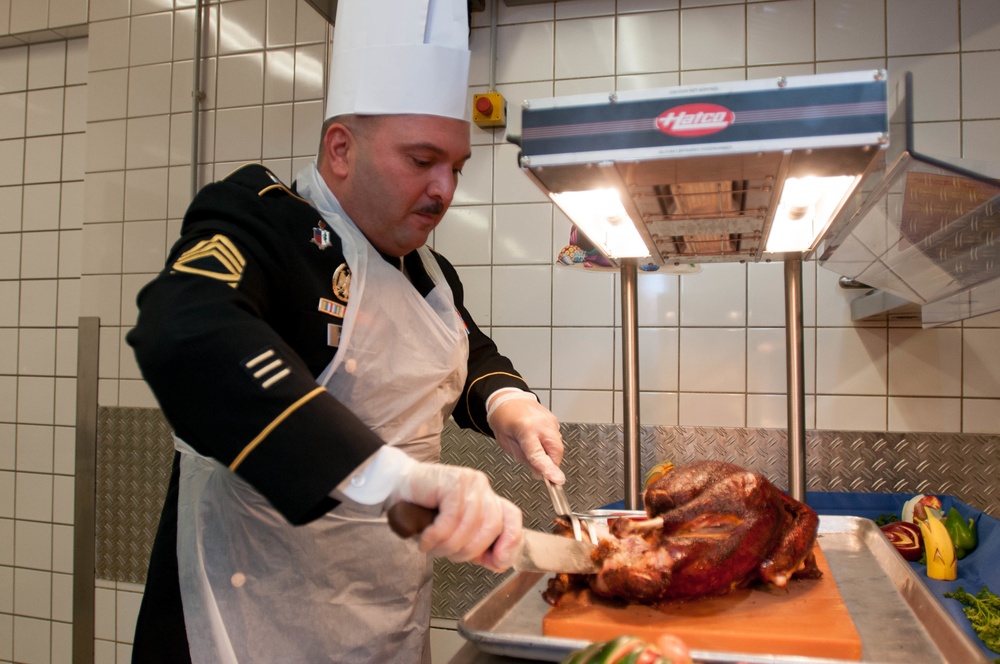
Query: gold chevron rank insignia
x,y
216,258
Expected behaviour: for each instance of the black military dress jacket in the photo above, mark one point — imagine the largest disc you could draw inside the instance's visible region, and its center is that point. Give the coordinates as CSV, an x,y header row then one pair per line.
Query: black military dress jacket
x,y
253,275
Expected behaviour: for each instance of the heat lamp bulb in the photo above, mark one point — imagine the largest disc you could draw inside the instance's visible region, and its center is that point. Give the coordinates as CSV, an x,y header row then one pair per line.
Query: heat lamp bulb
x,y
599,213
805,211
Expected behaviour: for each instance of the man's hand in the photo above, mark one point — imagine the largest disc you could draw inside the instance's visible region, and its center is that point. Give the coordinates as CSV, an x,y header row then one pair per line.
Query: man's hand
x,y
529,432
473,524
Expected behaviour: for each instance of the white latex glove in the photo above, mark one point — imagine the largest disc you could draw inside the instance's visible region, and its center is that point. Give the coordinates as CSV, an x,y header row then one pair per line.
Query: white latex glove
x,y
529,432
473,524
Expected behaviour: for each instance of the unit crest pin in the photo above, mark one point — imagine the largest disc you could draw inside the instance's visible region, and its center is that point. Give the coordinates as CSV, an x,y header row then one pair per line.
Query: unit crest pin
x,y
321,235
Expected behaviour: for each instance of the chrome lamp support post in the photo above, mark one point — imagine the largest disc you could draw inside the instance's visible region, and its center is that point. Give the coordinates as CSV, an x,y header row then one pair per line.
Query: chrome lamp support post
x,y
795,368
630,385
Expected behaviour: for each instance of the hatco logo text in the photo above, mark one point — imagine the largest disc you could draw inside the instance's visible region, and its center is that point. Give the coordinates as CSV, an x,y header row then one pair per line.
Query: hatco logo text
x,y
694,120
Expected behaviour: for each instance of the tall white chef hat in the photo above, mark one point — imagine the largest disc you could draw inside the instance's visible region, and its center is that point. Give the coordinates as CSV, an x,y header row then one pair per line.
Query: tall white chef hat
x,y
400,56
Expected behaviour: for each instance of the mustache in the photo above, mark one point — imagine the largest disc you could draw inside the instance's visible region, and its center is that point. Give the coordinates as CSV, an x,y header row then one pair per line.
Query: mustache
x,y
435,208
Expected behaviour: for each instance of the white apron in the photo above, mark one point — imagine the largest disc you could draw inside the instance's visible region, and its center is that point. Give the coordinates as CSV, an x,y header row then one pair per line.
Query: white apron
x,y
343,588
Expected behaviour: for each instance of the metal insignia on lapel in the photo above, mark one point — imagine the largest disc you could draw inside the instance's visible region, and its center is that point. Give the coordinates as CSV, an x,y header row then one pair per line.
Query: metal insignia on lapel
x,y
342,282
321,236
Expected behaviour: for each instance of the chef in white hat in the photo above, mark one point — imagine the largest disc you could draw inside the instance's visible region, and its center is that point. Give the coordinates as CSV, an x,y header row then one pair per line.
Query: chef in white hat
x,y
307,348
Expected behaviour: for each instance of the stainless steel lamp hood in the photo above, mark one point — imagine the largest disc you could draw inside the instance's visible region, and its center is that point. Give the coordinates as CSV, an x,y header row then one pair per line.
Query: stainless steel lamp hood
x,y
923,231
707,173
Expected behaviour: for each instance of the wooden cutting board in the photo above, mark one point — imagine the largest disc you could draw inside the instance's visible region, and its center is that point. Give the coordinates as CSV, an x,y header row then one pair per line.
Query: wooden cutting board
x,y
807,618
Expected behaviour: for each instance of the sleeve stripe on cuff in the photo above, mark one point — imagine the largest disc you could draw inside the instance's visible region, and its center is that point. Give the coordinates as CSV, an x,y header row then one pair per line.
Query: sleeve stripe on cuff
x,y
270,427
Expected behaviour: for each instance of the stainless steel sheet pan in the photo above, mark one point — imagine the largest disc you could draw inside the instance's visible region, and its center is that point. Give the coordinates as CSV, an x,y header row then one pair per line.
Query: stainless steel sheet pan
x,y
897,617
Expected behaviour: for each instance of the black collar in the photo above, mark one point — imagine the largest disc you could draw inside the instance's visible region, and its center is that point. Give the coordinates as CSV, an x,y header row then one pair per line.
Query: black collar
x,y
414,271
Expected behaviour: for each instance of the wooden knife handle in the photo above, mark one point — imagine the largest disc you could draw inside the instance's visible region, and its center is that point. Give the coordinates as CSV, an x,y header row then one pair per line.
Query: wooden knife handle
x,y
407,519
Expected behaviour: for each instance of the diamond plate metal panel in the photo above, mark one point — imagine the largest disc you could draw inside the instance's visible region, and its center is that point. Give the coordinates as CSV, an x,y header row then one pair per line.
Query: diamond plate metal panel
x,y
134,455
135,451
961,465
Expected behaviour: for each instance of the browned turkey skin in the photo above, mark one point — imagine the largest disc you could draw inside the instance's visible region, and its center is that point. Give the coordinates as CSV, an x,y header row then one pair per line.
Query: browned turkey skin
x,y
723,528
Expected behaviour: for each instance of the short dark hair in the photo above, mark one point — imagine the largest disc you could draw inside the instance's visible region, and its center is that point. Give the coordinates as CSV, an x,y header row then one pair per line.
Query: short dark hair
x,y
358,125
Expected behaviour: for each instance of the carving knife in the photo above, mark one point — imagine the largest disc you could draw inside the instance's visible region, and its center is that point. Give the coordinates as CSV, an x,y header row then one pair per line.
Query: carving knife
x,y
541,552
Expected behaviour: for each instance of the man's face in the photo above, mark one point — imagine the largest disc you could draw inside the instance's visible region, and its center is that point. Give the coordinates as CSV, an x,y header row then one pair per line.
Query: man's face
x,y
404,178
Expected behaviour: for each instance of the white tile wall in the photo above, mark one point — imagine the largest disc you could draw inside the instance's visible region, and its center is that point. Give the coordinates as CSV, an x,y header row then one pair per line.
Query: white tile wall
x,y
925,362
585,47
713,37
151,39
648,42
981,363
32,640
657,297
850,413
917,414
780,32
715,296
525,52
921,26
67,13
712,410
980,141
33,545
522,234
980,22
850,29
980,415
240,80
529,348
7,589
464,235
475,186
936,82
28,16
6,549
713,359
149,89
980,72
522,295
582,358
581,298
588,407
659,356
94,151
48,81
114,37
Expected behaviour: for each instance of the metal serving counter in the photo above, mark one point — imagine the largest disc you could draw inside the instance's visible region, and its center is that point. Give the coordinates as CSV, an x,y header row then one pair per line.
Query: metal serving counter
x,y
897,617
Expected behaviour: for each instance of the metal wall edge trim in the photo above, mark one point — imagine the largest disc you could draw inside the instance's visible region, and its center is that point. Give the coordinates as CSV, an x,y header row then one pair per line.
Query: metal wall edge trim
x,y
85,491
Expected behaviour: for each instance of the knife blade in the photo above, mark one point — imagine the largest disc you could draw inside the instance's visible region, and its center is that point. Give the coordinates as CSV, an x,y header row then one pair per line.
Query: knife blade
x,y
541,552
544,552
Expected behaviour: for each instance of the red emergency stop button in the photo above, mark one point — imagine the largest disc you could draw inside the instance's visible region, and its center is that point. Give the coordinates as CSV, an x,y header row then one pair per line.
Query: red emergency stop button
x,y
484,106
489,109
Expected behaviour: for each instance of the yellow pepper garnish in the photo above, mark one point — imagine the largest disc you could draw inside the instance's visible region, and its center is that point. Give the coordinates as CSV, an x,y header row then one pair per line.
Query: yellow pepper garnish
x,y
656,472
941,561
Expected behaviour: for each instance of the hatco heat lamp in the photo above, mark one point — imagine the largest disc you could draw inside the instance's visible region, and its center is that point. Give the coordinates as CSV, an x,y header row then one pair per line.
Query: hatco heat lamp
x,y
724,172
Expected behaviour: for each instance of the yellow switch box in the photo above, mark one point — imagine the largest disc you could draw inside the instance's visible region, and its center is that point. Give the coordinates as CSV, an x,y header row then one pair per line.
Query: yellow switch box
x,y
489,109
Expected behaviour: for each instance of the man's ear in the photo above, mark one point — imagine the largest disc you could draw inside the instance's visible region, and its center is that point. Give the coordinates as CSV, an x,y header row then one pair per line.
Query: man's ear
x,y
338,149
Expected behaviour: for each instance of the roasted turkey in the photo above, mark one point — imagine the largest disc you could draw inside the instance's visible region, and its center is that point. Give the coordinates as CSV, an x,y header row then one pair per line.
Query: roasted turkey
x,y
712,527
